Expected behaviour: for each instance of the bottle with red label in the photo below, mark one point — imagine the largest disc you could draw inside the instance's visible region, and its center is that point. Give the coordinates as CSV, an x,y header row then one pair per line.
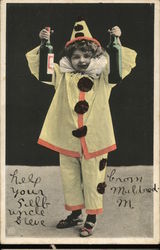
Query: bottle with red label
x,y
46,60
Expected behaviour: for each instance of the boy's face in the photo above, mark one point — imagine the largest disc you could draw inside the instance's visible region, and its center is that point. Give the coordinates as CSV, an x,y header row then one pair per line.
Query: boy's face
x,y
80,60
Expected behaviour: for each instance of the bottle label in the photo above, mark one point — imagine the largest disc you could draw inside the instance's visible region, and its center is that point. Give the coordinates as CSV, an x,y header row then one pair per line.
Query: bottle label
x,y
50,63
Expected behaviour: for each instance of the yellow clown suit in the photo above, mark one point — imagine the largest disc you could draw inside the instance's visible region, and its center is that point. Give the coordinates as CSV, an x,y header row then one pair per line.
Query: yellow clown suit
x,y
78,124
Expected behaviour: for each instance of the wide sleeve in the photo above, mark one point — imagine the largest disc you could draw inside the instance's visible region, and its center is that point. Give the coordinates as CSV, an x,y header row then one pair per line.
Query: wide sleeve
x,y
128,61
33,63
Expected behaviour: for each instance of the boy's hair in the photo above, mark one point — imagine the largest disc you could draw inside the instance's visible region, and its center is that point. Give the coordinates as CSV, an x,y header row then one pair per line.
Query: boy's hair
x,y
85,46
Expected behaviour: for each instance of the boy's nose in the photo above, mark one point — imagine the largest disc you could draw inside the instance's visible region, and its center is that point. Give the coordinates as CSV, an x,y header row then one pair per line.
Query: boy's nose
x,y
82,59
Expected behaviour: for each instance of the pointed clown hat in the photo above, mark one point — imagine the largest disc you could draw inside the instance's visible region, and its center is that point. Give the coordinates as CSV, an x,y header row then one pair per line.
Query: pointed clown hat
x,y
81,32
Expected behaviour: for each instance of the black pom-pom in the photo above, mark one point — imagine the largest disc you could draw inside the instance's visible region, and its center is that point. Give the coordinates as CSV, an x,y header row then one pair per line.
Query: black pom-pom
x,y
102,164
78,34
78,27
85,84
80,132
79,18
101,187
81,107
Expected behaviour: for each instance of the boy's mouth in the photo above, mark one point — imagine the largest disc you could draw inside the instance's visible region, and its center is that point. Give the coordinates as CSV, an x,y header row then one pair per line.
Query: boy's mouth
x,y
83,66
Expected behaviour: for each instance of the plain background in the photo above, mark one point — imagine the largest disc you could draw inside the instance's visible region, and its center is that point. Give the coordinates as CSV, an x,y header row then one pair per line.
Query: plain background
x,y
28,99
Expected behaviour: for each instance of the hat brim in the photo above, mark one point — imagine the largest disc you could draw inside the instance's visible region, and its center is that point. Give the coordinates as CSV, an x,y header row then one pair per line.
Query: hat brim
x,y
82,38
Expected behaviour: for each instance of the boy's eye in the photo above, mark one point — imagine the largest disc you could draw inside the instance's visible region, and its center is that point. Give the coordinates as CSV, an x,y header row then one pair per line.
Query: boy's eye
x,y
87,55
75,57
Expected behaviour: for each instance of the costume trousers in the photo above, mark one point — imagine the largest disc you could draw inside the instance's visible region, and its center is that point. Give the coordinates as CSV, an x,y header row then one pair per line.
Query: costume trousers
x,y
83,182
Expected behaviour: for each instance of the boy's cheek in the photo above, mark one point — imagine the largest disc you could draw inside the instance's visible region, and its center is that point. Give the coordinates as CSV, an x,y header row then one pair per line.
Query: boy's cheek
x,y
74,62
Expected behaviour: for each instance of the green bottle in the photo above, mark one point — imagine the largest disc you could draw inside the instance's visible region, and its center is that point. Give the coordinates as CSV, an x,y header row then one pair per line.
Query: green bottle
x,y
46,60
115,60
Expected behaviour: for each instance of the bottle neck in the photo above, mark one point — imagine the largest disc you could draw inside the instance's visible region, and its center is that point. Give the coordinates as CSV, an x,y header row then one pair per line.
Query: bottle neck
x,y
113,40
45,42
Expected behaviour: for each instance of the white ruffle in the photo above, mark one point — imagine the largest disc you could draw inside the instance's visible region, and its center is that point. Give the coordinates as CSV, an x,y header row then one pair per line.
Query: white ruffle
x,y
94,69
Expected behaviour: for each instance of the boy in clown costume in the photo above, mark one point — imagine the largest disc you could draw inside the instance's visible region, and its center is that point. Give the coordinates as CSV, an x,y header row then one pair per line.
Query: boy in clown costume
x,y
78,124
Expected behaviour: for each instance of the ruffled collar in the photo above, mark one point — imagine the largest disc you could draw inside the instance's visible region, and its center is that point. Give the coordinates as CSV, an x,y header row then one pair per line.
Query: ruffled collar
x,y
94,69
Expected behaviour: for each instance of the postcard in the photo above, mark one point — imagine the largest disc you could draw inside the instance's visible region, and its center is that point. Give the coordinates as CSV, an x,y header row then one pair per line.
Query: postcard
x,y
80,122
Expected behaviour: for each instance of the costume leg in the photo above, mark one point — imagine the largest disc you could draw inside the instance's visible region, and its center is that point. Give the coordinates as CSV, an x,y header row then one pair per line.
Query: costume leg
x,y
94,172
72,182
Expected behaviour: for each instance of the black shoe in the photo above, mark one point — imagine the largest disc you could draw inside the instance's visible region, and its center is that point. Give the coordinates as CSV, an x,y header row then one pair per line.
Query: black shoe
x,y
70,221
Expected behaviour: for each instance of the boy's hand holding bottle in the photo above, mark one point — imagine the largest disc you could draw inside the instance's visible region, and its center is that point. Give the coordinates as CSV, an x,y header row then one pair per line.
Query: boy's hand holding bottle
x,y
115,31
44,34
